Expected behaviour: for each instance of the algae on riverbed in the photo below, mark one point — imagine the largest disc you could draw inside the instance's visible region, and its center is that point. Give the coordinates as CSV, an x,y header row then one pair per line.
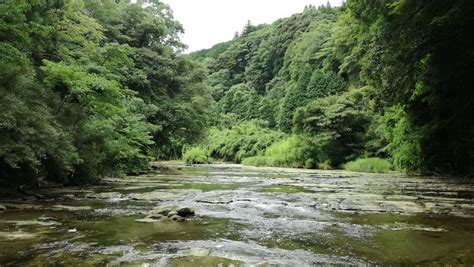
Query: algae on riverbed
x,y
284,216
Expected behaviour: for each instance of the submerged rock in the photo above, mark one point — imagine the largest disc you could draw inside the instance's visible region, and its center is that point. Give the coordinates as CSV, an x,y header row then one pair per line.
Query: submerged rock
x,y
2,208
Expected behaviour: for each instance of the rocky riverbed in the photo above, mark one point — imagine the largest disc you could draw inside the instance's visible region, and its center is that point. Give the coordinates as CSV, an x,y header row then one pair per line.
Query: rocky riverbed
x,y
232,215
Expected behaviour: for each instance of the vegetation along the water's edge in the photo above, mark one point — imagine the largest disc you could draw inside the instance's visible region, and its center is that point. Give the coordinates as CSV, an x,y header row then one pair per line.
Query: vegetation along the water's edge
x,y
372,101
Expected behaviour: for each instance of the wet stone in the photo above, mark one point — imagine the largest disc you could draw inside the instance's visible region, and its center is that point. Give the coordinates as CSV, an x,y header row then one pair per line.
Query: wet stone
x,y
17,235
32,222
148,220
198,252
71,208
2,208
156,217
23,206
216,200
164,210
176,218
172,213
186,212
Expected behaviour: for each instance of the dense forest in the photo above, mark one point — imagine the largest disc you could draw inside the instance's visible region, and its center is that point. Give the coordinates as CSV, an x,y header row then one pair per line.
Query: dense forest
x,y
90,88
93,88
371,85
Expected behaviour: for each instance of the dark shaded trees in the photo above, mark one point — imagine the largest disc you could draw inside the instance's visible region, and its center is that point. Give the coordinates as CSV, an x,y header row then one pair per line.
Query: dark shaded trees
x,y
92,88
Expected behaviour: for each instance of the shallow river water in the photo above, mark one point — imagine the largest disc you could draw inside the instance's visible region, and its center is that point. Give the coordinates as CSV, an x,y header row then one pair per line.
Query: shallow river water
x,y
245,216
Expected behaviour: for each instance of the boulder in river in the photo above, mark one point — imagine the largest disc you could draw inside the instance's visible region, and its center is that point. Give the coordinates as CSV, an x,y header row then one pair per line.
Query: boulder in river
x,y
2,208
163,210
173,213
186,212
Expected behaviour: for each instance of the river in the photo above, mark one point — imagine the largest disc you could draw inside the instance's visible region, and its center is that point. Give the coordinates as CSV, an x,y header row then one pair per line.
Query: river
x,y
244,216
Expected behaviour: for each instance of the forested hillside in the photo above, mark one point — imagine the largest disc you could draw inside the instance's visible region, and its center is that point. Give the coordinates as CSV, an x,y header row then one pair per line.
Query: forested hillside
x,y
383,83
92,88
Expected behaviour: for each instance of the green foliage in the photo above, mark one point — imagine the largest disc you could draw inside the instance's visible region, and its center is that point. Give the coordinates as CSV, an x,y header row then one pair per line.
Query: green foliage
x,y
213,52
297,151
403,145
377,165
310,85
415,56
420,55
241,141
92,88
97,87
241,101
338,125
261,73
196,155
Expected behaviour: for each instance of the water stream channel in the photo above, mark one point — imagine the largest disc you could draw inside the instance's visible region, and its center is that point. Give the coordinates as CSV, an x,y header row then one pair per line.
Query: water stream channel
x,y
244,216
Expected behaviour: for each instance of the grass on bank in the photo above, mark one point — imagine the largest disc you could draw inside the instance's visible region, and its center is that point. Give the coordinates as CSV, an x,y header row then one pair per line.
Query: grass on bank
x,y
376,165
197,155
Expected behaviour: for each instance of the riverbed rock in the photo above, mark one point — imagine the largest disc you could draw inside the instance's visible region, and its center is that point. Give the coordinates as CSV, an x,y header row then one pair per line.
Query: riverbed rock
x,y
203,261
16,235
163,210
216,200
148,220
23,206
176,218
71,208
199,252
33,222
172,213
186,212
156,217
2,208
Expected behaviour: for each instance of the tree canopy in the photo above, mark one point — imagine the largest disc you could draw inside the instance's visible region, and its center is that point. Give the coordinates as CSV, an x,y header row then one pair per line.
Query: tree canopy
x,y
90,88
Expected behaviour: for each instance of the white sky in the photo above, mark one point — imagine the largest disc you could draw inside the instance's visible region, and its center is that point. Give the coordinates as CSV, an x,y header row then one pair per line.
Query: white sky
x,y
208,22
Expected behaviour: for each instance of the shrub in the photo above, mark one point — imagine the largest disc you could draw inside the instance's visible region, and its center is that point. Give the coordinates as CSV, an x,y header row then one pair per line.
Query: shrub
x,y
197,155
297,151
377,165
241,141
